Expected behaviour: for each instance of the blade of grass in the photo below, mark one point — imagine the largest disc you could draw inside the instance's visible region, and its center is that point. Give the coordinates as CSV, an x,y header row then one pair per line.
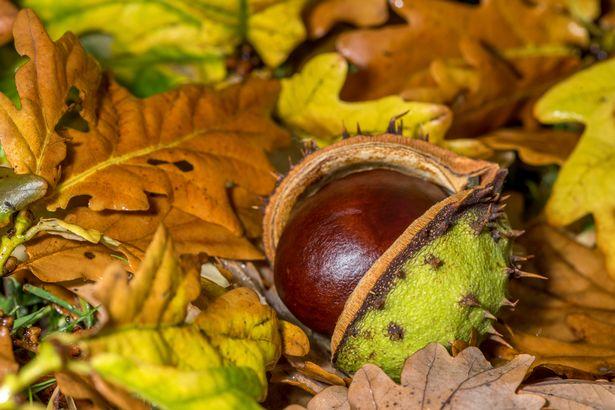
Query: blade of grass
x,y
43,294
30,319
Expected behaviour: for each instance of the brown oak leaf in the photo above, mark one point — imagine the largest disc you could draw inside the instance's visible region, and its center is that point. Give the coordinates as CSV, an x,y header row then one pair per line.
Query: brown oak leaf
x,y
574,394
8,364
29,135
189,144
567,321
326,13
432,378
483,60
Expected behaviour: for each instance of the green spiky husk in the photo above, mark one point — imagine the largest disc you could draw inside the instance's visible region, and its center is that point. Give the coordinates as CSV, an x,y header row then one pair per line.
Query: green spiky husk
x,y
443,292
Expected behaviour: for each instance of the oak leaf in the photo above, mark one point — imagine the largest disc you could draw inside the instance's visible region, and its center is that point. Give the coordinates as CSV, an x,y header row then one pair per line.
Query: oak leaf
x,y
8,12
294,341
567,321
310,104
483,60
137,302
29,135
8,364
586,184
432,378
195,35
574,394
187,144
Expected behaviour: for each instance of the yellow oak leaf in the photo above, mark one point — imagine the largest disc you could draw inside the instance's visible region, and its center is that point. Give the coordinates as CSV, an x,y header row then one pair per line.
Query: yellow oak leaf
x,y
586,183
159,278
309,103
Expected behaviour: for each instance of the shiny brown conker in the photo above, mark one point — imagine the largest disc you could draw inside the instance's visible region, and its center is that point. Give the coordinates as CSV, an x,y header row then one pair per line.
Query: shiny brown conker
x,y
335,235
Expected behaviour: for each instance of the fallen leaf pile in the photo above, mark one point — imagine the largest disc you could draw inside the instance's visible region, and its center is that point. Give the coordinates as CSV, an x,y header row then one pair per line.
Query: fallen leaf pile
x,y
567,321
141,140
219,360
184,147
482,60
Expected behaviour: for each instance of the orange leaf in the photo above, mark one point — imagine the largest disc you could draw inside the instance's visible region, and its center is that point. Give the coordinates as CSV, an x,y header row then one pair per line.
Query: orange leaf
x,y
29,135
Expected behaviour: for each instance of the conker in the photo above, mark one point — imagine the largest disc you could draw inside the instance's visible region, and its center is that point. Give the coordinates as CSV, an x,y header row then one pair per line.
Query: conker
x,y
356,227
334,235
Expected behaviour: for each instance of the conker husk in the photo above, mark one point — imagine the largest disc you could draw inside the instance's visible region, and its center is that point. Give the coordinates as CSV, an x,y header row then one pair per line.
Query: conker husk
x,y
335,235
442,278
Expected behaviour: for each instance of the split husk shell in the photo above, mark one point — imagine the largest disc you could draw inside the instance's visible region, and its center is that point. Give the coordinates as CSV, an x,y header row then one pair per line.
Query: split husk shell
x,y
442,280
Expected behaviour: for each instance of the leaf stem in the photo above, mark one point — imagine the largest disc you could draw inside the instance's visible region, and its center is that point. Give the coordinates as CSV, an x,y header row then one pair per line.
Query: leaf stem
x,y
15,237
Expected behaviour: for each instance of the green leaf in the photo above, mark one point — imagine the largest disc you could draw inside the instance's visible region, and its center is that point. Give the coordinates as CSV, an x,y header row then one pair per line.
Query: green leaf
x,y
586,183
217,388
310,104
176,41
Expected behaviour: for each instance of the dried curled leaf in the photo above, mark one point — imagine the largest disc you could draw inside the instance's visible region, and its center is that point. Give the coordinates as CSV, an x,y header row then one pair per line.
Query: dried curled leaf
x,y
540,147
432,378
54,259
310,104
294,341
30,135
567,322
198,35
586,183
483,60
